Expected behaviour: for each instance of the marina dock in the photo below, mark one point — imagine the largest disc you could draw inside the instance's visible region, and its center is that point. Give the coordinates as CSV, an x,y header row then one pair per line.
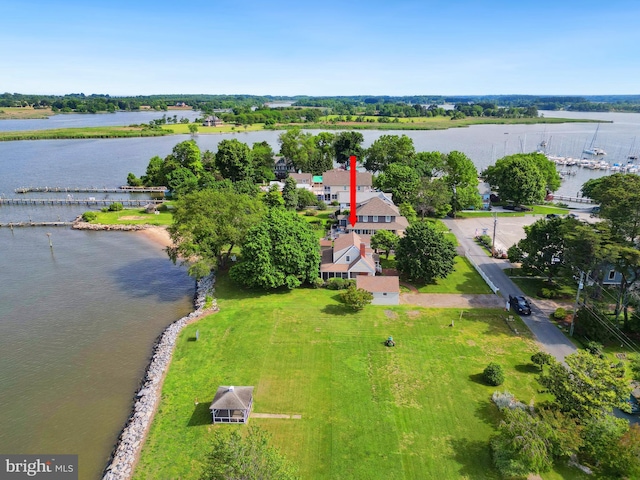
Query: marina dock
x,y
78,201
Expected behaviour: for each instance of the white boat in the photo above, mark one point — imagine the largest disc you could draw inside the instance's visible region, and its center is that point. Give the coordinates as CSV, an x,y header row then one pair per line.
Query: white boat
x,y
593,150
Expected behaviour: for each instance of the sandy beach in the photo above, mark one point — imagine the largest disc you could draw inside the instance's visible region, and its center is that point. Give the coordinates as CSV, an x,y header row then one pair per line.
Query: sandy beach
x,y
157,235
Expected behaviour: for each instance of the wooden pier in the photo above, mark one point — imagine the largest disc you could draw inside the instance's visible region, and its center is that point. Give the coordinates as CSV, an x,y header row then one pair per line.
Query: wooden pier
x,y
78,201
35,224
121,189
565,198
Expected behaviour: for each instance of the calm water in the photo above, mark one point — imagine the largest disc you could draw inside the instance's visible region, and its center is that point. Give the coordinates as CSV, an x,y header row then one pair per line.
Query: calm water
x,y
77,323
69,120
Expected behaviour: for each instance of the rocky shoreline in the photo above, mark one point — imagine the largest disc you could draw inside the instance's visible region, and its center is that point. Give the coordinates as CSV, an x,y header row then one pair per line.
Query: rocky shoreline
x,y
78,224
127,449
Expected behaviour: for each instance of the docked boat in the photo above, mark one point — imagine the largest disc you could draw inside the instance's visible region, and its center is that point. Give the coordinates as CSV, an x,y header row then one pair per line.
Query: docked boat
x,y
593,150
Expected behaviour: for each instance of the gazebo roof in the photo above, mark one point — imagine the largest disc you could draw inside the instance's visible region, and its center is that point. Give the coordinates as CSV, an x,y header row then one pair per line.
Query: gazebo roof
x,y
232,398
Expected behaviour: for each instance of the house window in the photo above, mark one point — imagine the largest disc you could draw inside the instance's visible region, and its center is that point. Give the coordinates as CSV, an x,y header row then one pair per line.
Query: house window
x,y
364,218
344,188
387,218
375,218
359,188
612,274
334,196
348,259
384,294
327,189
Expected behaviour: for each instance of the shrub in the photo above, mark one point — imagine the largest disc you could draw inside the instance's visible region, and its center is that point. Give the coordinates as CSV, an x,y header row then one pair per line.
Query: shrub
x,y
541,358
336,284
493,374
485,239
356,298
115,207
104,209
310,213
335,203
89,216
317,282
547,293
507,400
594,348
560,313
322,205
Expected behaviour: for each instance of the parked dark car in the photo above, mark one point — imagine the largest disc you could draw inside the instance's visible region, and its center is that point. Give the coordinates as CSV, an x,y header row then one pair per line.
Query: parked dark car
x,y
520,305
553,215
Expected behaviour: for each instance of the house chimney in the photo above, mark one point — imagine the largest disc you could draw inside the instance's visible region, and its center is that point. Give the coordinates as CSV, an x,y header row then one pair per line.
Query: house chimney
x,y
363,250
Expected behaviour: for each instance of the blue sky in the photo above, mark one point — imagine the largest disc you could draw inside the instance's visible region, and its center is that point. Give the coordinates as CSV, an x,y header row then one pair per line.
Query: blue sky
x,y
372,47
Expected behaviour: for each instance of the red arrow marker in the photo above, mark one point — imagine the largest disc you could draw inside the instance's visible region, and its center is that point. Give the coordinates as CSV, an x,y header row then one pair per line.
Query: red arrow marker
x,y
353,188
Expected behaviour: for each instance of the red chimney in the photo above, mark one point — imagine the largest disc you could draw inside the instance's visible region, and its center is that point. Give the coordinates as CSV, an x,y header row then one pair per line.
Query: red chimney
x,y
363,250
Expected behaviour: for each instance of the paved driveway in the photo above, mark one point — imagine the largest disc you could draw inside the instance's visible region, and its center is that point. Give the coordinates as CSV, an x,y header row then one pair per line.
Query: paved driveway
x,y
550,338
452,300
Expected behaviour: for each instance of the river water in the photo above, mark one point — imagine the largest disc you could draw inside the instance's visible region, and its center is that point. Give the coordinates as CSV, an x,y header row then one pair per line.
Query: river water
x,y
77,322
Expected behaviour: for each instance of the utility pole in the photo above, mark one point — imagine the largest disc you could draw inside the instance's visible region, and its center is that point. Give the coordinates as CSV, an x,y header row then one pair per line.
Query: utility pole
x,y
575,307
493,240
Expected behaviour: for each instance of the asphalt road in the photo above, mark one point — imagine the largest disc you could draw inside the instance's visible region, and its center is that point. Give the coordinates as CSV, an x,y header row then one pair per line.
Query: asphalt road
x,y
550,338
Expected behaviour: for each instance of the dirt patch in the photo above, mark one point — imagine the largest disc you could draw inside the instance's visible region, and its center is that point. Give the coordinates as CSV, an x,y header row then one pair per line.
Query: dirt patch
x,y
471,343
391,314
131,217
413,313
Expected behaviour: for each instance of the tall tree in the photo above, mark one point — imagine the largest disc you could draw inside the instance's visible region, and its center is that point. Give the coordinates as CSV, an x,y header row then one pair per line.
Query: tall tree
x,y
619,199
233,160
588,385
462,178
427,164
384,240
386,150
206,221
432,197
347,144
517,178
298,148
290,194
282,250
262,156
542,249
424,254
400,180
273,197
324,153
237,457
188,155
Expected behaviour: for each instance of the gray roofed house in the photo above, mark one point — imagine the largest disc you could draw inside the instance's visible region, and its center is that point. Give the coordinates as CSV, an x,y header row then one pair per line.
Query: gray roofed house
x,y
339,180
373,215
232,404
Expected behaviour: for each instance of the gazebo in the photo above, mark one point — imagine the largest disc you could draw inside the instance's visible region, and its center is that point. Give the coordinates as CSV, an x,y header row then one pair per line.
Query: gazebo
x,y
232,404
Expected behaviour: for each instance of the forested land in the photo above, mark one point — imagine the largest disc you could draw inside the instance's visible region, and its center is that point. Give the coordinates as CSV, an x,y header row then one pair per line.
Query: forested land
x,y
508,106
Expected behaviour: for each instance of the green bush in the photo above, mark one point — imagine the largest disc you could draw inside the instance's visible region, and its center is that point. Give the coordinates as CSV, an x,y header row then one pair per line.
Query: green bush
x,y
317,282
322,205
339,283
335,203
541,359
115,207
547,293
311,213
594,348
493,374
560,313
89,216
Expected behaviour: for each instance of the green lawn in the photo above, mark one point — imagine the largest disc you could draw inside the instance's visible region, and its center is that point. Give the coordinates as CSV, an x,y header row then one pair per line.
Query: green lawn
x,y
464,279
532,287
134,216
419,410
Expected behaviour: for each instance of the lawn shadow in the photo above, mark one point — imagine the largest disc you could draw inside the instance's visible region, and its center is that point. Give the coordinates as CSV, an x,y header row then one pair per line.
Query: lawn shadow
x,y
527,368
338,310
478,378
201,415
487,411
474,458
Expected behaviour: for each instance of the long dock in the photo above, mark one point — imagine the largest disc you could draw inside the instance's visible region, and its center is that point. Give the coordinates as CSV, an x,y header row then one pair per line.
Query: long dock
x,y
77,201
122,189
573,199
36,224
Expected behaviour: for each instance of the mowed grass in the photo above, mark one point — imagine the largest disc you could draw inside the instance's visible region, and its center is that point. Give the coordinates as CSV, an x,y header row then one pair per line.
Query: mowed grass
x,y
134,217
419,410
464,280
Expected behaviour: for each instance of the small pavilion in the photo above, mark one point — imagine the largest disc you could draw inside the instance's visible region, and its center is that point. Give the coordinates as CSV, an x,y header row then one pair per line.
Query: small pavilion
x,y
232,404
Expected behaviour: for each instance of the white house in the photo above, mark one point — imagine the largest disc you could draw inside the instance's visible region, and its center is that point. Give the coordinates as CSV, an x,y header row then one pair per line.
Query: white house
x,y
350,257
373,215
338,180
385,290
